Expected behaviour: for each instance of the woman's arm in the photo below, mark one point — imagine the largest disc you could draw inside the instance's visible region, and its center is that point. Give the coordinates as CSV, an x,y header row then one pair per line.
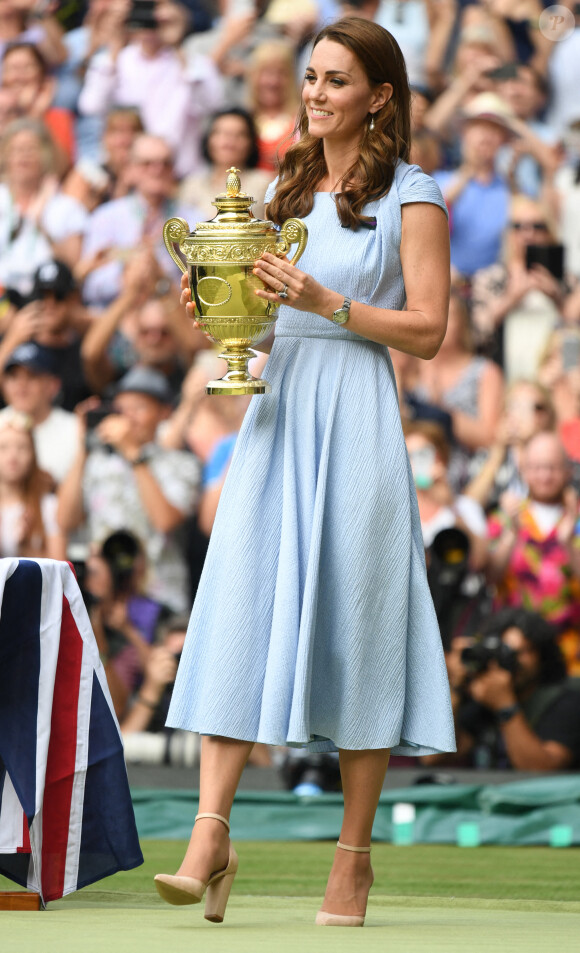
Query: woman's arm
x,y
420,329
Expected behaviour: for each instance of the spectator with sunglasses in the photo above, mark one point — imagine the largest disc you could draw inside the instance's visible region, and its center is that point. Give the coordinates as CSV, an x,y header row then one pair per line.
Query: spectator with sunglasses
x,y
135,221
516,308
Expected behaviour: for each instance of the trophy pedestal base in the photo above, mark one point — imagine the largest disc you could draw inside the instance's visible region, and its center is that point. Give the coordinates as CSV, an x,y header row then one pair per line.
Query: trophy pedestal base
x,y
238,379
226,387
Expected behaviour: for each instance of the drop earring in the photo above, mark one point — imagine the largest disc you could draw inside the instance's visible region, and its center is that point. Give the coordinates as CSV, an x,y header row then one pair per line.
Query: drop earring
x,y
372,124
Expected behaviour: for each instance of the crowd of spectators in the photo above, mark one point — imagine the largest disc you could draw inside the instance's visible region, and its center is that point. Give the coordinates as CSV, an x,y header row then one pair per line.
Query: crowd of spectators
x,y
116,115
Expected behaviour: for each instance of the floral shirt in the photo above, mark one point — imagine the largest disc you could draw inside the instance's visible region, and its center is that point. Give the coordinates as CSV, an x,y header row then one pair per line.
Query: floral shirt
x,y
112,502
539,577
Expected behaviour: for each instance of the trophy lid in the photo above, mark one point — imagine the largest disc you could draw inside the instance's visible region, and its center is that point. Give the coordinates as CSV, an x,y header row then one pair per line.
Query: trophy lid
x,y
233,199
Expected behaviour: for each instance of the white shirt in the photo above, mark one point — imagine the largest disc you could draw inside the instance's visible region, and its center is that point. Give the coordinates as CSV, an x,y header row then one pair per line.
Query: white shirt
x,y
465,508
171,99
56,441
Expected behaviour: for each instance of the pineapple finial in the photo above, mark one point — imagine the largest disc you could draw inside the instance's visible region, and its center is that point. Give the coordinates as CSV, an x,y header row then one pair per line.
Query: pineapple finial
x,y
233,184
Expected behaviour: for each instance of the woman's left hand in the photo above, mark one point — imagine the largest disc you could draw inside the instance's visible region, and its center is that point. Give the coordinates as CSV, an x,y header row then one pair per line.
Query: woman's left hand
x,y
303,292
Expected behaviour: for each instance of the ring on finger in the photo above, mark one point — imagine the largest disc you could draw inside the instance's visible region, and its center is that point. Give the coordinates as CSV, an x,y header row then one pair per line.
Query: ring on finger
x,y
284,293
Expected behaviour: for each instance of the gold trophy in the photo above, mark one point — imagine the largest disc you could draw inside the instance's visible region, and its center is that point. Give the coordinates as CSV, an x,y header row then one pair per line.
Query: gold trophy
x,y
219,260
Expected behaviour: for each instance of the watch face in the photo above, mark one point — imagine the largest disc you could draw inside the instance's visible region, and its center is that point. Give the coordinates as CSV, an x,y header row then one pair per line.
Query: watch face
x,y
340,316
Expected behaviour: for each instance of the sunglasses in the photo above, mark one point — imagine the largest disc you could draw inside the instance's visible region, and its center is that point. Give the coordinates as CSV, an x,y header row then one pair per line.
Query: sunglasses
x,y
537,226
149,163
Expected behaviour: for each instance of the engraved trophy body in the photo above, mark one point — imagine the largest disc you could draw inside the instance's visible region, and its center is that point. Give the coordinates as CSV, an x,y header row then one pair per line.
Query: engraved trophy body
x,y
219,260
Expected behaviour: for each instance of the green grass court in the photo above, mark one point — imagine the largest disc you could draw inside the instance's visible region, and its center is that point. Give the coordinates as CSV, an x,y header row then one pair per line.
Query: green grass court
x,y
426,898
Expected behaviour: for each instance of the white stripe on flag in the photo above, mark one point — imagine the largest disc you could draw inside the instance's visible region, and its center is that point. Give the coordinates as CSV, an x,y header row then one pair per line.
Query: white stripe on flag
x,y
11,819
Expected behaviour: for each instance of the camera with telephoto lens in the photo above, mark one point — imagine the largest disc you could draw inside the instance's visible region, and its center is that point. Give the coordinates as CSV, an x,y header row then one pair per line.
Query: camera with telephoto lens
x,y
489,648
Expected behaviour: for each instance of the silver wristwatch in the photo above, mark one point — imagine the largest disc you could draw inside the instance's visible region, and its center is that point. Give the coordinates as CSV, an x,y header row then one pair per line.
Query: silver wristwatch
x,y
342,314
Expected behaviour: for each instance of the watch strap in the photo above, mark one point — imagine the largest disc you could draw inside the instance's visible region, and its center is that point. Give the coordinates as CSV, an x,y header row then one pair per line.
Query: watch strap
x,y
504,715
342,314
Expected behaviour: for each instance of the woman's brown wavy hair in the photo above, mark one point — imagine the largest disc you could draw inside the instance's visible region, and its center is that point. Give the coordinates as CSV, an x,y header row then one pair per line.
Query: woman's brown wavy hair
x,y
371,176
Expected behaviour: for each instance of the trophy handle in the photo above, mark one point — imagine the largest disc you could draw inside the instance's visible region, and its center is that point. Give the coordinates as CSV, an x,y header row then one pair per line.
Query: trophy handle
x,y
174,231
293,230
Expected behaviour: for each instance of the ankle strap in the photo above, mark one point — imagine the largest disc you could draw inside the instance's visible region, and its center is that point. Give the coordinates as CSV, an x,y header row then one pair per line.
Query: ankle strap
x,y
356,850
216,817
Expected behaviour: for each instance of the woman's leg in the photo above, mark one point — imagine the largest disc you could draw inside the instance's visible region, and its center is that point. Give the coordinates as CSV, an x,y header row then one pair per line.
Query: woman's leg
x,y
222,763
351,876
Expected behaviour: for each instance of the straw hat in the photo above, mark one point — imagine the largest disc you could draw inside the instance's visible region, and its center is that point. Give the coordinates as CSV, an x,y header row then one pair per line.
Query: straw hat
x,y
491,108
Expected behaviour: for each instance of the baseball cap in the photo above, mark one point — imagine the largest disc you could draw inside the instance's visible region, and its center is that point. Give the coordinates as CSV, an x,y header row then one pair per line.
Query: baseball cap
x,y
31,355
53,277
145,380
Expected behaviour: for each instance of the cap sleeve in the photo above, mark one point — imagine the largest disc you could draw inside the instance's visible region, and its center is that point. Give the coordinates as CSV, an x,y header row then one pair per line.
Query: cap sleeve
x,y
270,191
414,185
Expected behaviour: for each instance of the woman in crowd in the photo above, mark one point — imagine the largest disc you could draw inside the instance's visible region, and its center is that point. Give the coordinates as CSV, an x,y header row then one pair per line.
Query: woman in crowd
x,y
559,373
37,222
25,72
288,642
125,621
439,507
230,140
467,386
28,525
515,307
273,100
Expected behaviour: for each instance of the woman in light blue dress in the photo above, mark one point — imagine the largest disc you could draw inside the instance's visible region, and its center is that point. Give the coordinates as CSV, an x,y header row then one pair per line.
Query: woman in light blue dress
x,y
313,624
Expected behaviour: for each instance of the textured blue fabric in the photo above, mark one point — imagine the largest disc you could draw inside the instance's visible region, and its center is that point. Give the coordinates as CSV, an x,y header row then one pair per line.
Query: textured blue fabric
x,y
313,622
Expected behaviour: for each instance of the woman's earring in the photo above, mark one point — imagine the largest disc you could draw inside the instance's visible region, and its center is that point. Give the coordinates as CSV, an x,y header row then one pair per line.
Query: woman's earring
x,y
372,124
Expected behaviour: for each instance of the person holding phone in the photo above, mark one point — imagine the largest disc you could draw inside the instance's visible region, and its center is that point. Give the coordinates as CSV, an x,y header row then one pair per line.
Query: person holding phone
x,y
516,302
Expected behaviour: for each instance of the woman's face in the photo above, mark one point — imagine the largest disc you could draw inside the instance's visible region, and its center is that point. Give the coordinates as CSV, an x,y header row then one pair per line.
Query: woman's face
x,y
23,156
528,226
272,85
21,70
16,455
337,94
229,142
98,581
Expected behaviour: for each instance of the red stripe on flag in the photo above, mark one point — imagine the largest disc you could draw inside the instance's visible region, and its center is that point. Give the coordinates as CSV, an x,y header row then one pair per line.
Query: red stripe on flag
x,y
60,764
26,848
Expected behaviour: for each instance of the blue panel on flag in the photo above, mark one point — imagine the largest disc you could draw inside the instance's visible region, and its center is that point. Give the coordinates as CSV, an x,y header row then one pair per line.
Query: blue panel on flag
x,y
109,840
19,674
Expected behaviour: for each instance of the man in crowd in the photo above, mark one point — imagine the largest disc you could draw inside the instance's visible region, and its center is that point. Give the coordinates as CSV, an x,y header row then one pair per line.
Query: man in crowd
x,y
127,481
535,554
477,196
135,221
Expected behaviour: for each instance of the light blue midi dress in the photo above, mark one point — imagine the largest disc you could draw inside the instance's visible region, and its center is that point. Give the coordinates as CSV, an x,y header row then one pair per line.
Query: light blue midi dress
x,y
313,623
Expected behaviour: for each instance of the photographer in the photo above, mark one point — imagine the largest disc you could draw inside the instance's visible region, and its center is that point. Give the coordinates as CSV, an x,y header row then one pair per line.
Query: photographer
x,y
513,704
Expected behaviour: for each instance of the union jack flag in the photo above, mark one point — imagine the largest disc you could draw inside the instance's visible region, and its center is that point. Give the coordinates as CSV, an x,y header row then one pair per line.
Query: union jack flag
x,y
66,817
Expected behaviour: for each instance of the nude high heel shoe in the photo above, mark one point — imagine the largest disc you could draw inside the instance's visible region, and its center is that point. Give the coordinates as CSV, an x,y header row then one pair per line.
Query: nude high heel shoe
x,y
324,919
180,890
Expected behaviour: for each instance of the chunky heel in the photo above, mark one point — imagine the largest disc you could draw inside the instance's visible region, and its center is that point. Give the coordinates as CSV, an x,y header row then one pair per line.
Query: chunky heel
x,y
179,890
216,898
